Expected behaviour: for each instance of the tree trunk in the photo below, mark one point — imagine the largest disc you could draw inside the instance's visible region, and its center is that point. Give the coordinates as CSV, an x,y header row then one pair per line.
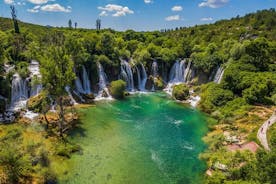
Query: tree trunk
x,y
61,116
47,121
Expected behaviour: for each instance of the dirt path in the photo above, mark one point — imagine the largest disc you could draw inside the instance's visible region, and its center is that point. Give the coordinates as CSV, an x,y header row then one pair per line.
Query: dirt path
x,y
263,130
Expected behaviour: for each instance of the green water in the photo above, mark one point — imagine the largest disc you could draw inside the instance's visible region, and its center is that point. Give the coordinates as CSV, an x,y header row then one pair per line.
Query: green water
x,y
146,139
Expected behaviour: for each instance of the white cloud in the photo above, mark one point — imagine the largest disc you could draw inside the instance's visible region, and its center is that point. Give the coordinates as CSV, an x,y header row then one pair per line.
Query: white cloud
x,y
213,3
177,8
32,10
103,14
148,1
206,19
9,1
55,8
116,10
172,18
39,1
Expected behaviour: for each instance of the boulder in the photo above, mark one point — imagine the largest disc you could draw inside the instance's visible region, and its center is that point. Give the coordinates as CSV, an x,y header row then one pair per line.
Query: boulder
x,y
181,92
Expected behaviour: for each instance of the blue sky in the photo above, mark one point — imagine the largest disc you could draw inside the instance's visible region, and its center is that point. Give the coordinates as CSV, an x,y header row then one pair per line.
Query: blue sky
x,y
140,15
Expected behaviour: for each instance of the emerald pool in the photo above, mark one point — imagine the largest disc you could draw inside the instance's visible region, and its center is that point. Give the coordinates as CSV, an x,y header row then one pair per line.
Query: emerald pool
x,y
145,139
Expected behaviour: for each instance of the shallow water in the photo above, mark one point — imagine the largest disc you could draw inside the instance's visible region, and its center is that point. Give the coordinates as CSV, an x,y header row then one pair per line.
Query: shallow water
x,y
146,139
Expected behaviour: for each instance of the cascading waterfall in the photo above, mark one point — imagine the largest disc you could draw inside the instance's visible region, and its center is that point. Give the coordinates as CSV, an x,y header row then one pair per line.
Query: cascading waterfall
x,y
19,93
103,90
82,84
35,72
78,86
85,81
188,72
67,88
127,75
219,75
154,69
179,73
138,77
144,75
141,77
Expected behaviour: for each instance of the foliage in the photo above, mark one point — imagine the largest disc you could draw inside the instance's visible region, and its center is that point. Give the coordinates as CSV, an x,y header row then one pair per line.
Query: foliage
x,y
181,92
214,96
117,89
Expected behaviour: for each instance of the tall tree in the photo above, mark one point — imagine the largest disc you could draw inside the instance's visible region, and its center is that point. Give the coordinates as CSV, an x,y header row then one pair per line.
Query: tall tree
x,y
57,73
76,25
98,24
14,19
70,23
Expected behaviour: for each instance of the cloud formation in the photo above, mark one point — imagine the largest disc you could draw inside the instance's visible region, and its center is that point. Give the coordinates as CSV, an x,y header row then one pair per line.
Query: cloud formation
x,y
172,18
39,1
213,3
177,8
148,1
115,10
50,8
9,1
206,19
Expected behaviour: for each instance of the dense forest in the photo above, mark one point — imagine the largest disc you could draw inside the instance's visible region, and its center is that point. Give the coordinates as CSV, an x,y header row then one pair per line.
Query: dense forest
x,y
243,47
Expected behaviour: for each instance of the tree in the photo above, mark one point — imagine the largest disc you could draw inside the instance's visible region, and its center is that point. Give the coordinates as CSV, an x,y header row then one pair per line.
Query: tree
x,y
14,19
98,24
70,24
57,73
76,25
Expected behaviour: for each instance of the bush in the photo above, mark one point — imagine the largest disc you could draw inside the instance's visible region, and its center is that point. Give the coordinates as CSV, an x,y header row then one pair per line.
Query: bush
x,y
36,103
213,97
181,92
117,89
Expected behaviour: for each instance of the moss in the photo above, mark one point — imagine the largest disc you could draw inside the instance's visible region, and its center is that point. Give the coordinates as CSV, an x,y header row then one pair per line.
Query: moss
x,y
181,92
117,89
158,83
35,103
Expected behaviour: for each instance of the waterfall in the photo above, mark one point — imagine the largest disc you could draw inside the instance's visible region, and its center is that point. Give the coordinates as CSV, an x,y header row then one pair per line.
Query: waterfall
x,y
35,72
127,75
144,75
85,81
179,73
154,69
67,88
141,77
82,83
103,90
138,77
19,93
219,75
78,85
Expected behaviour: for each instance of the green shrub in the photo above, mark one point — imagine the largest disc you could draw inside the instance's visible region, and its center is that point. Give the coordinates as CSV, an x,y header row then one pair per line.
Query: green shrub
x,y
22,69
214,96
181,92
117,89
36,103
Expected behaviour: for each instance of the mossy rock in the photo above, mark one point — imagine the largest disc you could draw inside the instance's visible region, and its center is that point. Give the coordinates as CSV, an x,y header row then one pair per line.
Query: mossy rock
x,y
35,103
117,89
89,98
158,83
181,92
149,83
